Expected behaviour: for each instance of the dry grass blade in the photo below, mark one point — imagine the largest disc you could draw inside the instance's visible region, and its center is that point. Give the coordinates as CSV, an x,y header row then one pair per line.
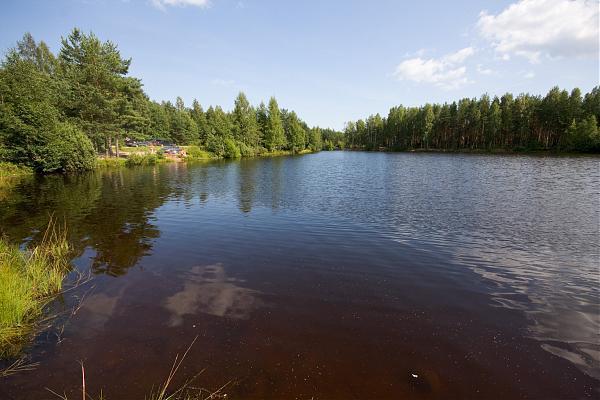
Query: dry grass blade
x,y
176,364
19,365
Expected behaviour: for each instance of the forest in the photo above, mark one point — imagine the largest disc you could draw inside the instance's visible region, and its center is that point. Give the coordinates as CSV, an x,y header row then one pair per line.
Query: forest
x,y
58,112
559,121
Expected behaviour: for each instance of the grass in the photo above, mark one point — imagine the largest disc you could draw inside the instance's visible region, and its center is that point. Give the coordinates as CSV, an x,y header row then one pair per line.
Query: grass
x,y
110,162
143,159
29,280
139,149
9,170
133,160
138,156
274,153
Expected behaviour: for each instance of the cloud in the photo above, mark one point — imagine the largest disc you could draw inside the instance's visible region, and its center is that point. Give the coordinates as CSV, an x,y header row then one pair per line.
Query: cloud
x,y
536,28
162,4
446,72
529,75
484,71
460,56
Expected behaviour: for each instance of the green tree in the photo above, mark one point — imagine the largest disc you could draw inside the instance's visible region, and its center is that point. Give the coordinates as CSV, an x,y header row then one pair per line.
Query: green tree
x,y
296,135
219,129
245,125
274,133
315,139
93,72
197,114
31,132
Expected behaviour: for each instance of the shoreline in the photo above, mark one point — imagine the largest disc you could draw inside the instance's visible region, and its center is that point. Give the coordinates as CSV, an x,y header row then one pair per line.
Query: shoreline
x,y
499,151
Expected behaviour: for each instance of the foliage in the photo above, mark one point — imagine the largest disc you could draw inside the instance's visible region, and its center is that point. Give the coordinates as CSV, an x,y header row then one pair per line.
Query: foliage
x,y
111,162
57,112
141,159
231,149
67,150
197,153
295,132
247,151
245,124
274,133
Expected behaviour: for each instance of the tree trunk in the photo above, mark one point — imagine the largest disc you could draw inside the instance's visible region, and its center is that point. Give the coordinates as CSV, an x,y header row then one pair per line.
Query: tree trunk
x,y
117,146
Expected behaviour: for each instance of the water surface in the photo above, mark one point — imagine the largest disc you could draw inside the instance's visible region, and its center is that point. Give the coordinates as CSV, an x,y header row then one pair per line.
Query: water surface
x,y
332,275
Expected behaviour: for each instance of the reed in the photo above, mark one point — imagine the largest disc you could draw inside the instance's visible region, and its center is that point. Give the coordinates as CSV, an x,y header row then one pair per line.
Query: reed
x,y
29,280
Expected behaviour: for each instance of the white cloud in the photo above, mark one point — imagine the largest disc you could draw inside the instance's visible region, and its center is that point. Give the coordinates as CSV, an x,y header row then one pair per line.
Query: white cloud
x,y
161,4
460,56
529,75
535,28
484,71
446,72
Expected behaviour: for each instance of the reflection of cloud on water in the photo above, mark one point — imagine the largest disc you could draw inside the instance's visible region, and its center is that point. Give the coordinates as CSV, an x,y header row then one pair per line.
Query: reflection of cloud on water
x,y
545,288
208,290
99,308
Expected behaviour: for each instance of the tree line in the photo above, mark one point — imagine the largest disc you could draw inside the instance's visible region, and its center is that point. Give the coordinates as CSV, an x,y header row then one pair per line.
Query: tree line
x,y
57,112
559,121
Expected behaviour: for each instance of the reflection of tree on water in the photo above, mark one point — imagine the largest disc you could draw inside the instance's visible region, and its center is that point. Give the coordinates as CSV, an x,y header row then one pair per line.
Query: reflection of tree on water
x,y
247,184
276,181
109,211
120,230
208,290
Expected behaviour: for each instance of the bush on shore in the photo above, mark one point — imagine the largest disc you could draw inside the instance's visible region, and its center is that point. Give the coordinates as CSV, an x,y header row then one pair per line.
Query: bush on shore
x,y
197,153
141,159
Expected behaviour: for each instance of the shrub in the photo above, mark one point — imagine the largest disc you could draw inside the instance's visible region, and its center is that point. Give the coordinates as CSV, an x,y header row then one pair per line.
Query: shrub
x,y
231,149
216,145
111,162
141,159
246,151
67,150
196,153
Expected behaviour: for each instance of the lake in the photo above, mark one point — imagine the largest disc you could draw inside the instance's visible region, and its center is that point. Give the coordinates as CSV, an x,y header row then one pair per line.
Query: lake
x,y
330,275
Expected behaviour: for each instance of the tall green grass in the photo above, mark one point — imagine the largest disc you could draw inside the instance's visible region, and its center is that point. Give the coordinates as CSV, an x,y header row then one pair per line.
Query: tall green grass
x,y
9,170
110,162
29,279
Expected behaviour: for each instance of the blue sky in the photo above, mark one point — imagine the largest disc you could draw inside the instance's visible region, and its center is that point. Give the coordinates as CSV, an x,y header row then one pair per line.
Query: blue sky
x,y
331,61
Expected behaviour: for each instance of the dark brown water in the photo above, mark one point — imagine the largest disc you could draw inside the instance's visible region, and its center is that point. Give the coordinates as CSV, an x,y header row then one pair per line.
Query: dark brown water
x,y
334,275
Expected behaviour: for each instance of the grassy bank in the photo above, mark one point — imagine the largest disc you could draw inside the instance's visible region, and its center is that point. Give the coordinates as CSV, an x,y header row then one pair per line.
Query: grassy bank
x,y
29,279
141,157
9,170
286,153
133,159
